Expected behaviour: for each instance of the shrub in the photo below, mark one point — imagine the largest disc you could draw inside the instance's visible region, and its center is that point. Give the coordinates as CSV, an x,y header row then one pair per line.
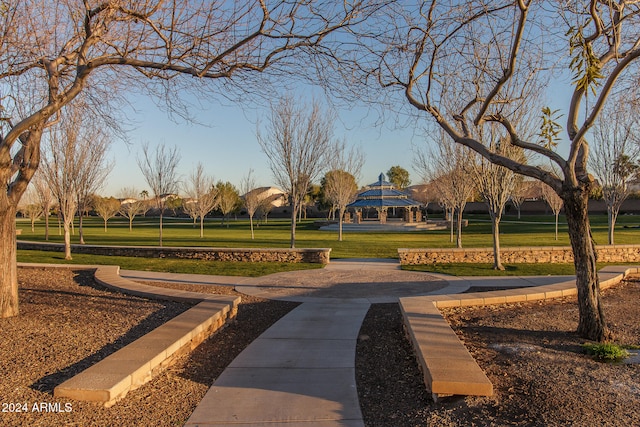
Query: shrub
x,y
608,352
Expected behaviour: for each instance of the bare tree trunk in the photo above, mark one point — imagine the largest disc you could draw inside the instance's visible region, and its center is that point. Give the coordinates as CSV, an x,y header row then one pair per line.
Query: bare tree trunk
x,y
161,226
201,227
592,323
8,267
459,228
67,238
495,228
341,214
450,223
611,220
251,224
557,214
46,222
80,229
294,214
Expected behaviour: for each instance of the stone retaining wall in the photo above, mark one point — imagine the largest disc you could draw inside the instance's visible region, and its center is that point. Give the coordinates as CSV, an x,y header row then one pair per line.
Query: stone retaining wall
x,y
318,256
557,254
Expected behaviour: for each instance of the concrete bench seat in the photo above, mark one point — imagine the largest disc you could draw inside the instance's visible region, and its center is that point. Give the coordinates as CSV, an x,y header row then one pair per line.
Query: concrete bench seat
x,y
135,364
447,366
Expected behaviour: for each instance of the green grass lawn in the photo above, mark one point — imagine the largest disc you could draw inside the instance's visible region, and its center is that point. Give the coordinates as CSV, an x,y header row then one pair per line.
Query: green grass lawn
x,y
191,266
528,231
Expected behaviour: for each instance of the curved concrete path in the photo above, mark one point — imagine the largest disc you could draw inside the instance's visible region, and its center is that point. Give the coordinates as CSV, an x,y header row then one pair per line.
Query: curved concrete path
x,y
301,371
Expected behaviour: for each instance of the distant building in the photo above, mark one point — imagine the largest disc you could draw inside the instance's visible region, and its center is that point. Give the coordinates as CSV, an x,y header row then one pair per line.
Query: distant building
x,y
382,196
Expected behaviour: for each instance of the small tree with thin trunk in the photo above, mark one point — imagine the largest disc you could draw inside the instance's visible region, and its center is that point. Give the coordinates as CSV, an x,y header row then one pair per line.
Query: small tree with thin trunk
x,y
340,183
447,167
519,192
554,201
93,171
130,206
200,189
495,185
106,208
60,166
296,141
159,169
615,154
251,197
227,198
30,207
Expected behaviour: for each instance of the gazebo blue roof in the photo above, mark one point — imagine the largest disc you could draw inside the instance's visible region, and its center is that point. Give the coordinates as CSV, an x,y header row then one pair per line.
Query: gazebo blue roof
x,y
382,194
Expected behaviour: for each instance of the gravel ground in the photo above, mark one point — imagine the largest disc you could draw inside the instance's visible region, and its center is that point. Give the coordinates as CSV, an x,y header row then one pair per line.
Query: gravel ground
x,y
529,352
67,323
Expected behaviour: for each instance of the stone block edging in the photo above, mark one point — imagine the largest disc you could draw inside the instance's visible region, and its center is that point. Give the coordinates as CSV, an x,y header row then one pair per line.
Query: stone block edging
x,y
447,366
515,255
137,363
311,255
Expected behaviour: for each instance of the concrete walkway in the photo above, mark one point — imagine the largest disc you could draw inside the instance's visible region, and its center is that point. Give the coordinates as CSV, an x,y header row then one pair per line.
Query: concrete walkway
x,y
301,371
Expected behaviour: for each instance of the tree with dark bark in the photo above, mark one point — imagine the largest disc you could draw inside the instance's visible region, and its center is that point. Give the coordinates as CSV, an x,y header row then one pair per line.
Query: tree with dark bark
x,y
468,66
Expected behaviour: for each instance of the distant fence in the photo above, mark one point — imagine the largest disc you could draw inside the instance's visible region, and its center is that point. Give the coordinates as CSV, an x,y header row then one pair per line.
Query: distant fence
x,y
311,255
532,254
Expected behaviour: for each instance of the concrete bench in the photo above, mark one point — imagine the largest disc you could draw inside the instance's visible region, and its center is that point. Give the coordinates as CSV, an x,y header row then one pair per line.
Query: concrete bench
x,y
135,364
447,366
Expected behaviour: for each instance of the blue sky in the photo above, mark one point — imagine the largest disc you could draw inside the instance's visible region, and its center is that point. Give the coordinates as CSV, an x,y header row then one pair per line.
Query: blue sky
x,y
227,146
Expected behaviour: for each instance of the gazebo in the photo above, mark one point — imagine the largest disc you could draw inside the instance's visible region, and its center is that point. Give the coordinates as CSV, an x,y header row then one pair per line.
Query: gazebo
x,y
382,195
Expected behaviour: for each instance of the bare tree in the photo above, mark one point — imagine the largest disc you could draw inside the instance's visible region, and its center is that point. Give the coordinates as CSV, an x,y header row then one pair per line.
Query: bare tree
x,y
227,198
160,171
202,192
495,184
446,166
53,51
469,65
519,192
45,197
341,181
61,161
553,200
266,206
296,141
106,208
251,197
30,206
615,155
94,169
130,207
